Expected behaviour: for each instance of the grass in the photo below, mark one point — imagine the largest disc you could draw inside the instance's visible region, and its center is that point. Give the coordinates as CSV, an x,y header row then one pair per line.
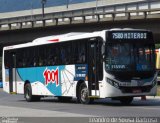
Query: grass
x,y
158,90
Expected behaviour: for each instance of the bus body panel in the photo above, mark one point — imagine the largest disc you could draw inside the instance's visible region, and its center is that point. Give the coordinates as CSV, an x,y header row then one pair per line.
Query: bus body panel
x,y
108,90
48,80
6,80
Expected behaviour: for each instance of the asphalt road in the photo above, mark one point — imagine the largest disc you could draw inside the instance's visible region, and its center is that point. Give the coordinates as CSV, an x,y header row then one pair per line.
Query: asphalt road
x,y
16,106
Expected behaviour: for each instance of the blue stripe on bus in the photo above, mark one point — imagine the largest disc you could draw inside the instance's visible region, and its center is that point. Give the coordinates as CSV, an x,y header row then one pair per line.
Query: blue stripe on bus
x,y
34,74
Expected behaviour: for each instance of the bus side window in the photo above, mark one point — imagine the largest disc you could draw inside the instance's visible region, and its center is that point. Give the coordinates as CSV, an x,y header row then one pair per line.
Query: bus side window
x,y
56,58
65,54
6,59
79,52
20,63
40,55
62,55
82,56
68,51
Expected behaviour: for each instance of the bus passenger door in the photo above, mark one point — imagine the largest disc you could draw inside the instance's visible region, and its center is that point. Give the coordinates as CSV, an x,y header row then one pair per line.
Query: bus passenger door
x,y
93,83
12,74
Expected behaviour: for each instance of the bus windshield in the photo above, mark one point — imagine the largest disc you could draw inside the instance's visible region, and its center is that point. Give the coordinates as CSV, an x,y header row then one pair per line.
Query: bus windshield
x,y
129,57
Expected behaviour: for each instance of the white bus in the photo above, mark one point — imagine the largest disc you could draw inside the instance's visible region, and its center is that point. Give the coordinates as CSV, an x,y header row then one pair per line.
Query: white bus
x,y
115,63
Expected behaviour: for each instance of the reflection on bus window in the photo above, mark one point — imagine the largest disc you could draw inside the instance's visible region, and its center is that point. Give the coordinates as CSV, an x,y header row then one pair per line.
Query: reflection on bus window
x,y
122,57
119,56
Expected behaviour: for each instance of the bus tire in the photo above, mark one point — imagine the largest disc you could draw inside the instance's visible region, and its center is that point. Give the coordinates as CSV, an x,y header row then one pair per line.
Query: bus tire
x,y
83,94
28,94
126,100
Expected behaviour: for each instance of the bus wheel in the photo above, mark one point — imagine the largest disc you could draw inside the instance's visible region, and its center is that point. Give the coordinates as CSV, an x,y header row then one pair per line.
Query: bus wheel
x,y
28,94
83,94
126,100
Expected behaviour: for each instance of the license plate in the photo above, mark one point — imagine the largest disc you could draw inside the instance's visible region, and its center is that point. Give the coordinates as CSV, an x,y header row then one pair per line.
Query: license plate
x,y
136,91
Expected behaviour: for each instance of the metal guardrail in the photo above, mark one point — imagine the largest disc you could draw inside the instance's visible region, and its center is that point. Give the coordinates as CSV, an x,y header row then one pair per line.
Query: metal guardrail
x,y
87,15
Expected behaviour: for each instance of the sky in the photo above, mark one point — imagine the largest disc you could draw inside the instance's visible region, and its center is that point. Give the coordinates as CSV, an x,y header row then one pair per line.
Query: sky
x,y
18,5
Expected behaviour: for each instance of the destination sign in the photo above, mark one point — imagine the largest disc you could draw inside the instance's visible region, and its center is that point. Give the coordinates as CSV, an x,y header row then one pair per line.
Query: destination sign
x,y
129,35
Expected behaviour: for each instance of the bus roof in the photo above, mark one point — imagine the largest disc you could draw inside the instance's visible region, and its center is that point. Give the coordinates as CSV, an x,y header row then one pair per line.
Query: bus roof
x,y
54,39
66,37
